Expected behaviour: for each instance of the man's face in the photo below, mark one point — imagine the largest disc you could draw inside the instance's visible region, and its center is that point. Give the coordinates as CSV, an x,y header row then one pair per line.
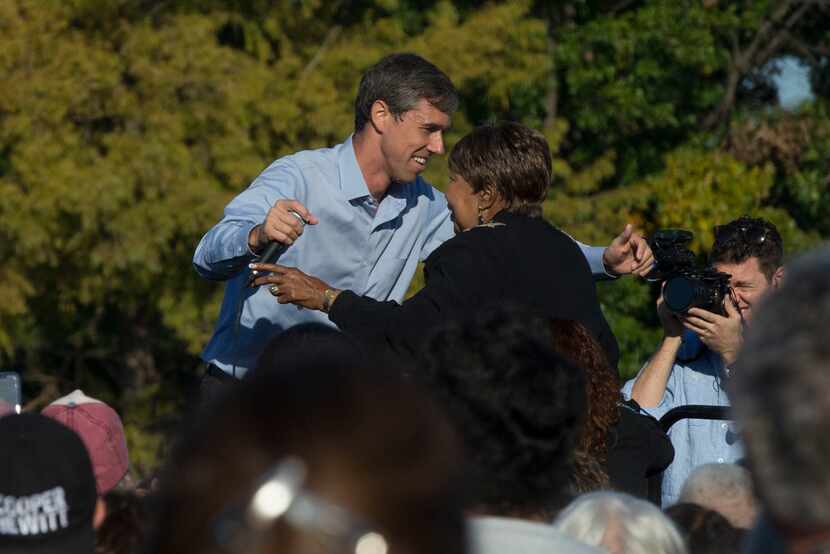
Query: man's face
x,y
749,284
408,141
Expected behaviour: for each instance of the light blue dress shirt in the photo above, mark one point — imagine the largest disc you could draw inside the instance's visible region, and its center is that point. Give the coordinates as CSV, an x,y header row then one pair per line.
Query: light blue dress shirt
x,y
697,377
370,248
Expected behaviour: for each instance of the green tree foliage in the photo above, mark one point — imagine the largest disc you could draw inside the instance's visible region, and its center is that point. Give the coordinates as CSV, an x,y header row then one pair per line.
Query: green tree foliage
x,y
126,126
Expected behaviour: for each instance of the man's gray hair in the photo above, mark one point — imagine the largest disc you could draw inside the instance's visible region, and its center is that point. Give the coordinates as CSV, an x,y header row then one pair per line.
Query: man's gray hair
x,y
724,488
781,394
620,523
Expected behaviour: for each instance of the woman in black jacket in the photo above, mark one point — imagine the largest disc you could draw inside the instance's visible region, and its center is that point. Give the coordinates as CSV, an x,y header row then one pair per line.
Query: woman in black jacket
x,y
504,252
620,447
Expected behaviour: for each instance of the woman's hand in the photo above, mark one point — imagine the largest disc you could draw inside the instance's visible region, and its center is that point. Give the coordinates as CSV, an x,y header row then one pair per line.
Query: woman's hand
x,y
291,286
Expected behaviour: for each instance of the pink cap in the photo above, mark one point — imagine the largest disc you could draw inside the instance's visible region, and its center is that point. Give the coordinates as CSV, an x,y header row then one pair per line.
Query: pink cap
x,y
101,431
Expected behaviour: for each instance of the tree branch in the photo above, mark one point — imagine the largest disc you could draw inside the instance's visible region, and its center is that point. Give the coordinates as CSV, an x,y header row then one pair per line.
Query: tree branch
x,y
782,36
331,36
771,33
746,57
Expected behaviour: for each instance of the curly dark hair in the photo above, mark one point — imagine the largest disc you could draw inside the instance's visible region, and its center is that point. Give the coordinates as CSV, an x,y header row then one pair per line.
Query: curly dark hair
x,y
575,342
517,405
745,238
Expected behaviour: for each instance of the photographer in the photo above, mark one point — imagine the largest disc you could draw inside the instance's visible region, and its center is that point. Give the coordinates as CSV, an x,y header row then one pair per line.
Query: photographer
x,y
699,346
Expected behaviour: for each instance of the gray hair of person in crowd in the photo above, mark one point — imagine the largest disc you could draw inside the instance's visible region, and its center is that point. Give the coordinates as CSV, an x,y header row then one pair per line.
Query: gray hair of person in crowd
x,y
620,524
323,445
724,488
780,393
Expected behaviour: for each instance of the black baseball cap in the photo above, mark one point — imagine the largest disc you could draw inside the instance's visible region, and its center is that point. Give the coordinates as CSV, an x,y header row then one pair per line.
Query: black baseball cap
x,y
47,488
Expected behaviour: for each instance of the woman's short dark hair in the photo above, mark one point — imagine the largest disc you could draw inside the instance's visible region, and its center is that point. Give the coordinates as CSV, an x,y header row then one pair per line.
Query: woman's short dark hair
x,y
511,159
402,80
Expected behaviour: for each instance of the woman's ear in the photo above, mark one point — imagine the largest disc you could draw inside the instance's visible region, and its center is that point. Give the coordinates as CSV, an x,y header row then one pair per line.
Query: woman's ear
x,y
486,197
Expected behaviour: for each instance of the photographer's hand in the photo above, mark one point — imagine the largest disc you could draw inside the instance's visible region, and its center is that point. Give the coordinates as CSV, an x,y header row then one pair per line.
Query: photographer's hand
x,y
720,334
672,325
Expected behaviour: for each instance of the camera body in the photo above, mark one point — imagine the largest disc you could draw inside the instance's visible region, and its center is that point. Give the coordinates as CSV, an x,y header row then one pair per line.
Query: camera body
x,y
686,286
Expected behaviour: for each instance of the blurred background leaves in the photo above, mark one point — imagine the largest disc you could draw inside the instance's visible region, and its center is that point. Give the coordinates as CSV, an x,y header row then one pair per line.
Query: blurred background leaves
x,y
125,127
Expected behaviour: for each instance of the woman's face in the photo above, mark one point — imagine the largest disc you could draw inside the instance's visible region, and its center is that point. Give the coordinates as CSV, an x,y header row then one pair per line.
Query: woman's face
x,y
463,202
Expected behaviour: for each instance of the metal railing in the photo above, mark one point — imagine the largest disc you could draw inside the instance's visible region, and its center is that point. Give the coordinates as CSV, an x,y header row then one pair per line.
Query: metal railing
x,y
690,411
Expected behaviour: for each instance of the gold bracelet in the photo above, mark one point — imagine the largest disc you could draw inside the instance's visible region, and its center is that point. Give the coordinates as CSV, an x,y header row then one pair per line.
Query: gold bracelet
x,y
329,295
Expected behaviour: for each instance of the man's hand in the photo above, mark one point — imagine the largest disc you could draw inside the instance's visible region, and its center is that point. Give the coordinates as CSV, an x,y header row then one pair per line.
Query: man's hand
x,y
629,253
720,334
280,225
291,286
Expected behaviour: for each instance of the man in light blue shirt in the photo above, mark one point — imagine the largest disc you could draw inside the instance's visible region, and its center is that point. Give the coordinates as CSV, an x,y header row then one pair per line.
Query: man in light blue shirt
x,y
691,365
370,216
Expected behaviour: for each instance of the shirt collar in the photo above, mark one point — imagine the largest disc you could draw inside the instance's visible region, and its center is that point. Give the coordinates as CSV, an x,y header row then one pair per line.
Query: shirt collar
x,y
351,177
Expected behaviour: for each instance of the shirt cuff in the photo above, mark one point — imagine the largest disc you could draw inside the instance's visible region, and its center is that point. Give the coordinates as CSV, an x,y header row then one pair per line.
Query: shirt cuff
x,y
246,249
594,256
342,306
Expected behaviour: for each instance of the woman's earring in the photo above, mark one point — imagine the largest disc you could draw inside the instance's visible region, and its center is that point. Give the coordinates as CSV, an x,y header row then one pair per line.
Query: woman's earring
x,y
480,217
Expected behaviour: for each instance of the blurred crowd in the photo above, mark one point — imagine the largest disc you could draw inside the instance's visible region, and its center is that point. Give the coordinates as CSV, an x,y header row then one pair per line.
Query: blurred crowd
x,y
489,442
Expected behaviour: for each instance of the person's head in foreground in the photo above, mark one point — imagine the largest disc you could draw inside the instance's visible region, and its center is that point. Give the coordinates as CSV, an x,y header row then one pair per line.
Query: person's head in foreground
x,y
620,524
48,502
781,398
724,488
124,529
321,448
517,405
706,531
100,427
498,167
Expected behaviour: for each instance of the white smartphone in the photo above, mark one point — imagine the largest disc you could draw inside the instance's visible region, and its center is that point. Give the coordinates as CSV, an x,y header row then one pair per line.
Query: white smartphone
x,y
10,396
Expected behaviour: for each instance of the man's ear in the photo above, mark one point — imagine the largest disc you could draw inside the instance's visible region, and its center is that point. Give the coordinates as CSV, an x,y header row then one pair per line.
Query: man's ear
x,y
777,277
380,115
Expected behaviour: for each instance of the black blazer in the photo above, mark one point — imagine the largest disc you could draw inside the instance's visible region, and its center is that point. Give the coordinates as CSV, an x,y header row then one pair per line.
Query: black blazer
x,y
637,450
514,259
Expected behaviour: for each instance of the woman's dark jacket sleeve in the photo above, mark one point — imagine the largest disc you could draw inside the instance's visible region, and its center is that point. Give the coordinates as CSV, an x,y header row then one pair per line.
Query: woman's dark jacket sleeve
x,y
516,260
403,327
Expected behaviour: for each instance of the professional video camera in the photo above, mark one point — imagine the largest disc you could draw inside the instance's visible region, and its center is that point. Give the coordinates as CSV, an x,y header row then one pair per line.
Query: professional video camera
x,y
686,286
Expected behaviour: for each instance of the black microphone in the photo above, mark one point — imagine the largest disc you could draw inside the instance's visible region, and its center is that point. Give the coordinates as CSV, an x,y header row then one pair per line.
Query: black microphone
x,y
273,251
